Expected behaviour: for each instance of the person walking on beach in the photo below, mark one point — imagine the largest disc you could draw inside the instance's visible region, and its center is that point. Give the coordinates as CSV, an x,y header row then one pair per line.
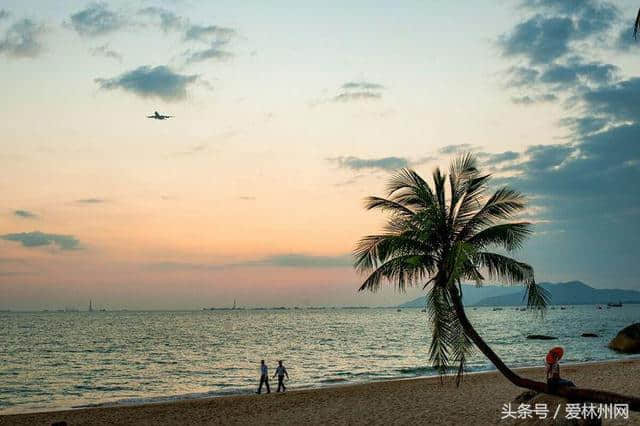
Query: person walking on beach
x,y
281,372
552,362
264,377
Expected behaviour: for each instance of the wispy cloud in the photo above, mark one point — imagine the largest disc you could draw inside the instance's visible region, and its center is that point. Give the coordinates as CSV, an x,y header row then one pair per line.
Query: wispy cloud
x,y
384,163
206,33
23,39
91,201
457,148
106,52
168,20
215,36
535,99
213,52
293,260
96,19
359,90
39,239
146,81
25,214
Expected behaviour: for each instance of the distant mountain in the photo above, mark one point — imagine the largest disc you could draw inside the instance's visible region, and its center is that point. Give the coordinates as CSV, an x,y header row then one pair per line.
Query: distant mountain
x,y
569,293
470,295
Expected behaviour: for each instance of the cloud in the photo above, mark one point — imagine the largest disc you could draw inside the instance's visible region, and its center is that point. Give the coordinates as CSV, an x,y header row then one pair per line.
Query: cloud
x,y
168,20
362,85
4,14
307,261
107,52
356,96
617,101
548,35
591,17
148,82
23,39
209,32
213,52
530,100
587,187
25,214
384,163
502,157
91,201
294,260
217,37
359,90
539,39
577,72
39,239
522,76
457,148
625,41
95,20
583,126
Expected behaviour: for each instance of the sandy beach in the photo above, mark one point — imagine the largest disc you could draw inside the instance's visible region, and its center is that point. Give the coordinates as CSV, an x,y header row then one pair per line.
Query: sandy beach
x,y
416,401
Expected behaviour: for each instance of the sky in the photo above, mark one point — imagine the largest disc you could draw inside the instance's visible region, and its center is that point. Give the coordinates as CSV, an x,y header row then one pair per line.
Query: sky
x,y
286,116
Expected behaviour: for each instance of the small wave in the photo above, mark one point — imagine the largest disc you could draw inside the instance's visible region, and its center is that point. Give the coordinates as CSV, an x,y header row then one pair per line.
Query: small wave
x,y
334,380
417,371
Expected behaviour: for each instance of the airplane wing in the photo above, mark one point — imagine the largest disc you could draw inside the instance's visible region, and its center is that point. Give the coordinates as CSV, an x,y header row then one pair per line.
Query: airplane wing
x,y
151,116
636,26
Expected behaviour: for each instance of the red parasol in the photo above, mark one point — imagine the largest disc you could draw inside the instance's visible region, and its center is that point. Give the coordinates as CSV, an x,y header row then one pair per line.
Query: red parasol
x,y
554,355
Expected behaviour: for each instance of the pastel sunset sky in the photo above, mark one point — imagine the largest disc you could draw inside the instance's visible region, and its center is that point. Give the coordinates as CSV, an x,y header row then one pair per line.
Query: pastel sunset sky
x,y
287,114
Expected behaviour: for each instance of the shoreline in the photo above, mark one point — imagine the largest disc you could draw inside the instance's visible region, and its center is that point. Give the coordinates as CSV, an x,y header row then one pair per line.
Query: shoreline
x,y
489,387
197,396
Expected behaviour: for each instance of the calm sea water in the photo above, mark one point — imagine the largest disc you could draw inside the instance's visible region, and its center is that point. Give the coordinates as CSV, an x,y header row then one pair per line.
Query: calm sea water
x,y
61,360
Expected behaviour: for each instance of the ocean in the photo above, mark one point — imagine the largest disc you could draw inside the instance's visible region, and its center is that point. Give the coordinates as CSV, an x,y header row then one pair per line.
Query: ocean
x,y
57,360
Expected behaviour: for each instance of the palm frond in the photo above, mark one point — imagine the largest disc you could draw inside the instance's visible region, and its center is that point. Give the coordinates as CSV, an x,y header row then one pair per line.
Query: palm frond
x,y
500,206
374,250
505,268
402,271
510,236
383,204
440,314
409,189
537,297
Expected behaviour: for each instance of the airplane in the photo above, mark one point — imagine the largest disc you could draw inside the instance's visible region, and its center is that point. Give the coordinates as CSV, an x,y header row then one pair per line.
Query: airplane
x,y
636,27
157,116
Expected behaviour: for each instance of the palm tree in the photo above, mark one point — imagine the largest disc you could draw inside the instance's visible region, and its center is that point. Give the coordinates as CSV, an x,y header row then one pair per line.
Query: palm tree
x,y
438,238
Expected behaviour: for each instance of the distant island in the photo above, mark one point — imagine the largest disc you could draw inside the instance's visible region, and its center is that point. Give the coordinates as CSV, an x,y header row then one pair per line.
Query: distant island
x,y
567,293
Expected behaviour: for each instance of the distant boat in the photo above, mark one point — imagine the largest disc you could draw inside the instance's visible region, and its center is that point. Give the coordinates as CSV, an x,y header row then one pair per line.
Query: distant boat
x,y
234,304
90,306
399,310
598,307
497,309
424,310
615,305
562,308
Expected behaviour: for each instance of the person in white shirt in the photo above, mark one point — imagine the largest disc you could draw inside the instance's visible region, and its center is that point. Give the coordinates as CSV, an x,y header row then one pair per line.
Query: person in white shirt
x,y
281,372
264,377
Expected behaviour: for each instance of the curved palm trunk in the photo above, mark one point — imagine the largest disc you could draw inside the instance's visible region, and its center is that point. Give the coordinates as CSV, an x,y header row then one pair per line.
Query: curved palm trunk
x,y
574,394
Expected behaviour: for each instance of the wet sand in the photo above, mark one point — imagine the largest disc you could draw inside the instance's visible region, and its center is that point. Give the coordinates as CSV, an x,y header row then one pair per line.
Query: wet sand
x,y
478,401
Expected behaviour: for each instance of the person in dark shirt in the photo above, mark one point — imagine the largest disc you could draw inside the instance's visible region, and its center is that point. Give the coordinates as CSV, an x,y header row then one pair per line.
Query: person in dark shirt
x,y
264,377
281,372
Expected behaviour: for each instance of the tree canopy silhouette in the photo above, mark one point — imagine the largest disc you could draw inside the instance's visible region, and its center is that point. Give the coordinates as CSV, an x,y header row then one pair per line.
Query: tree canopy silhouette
x,y
441,235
